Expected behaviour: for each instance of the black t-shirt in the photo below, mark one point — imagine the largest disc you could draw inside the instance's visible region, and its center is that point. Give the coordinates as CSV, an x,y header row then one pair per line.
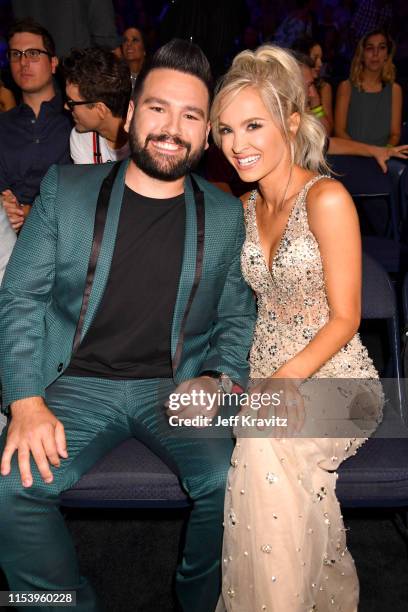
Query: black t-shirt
x,y
130,334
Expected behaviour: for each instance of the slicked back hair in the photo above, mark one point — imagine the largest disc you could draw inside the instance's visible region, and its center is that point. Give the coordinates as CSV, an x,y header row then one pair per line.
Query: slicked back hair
x,y
181,55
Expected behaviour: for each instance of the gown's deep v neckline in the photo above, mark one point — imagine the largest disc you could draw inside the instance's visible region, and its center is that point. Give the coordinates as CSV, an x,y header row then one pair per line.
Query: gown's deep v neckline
x,y
272,258
252,199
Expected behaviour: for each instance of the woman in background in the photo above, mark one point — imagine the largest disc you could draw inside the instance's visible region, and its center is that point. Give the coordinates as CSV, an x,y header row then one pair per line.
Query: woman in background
x,y
284,543
310,47
134,51
369,104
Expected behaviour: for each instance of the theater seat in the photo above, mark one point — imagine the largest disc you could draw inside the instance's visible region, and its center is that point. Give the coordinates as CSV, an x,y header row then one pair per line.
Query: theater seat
x,y
377,477
130,476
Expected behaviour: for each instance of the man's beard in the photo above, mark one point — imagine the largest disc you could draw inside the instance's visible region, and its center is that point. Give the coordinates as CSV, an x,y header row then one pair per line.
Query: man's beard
x,y
163,167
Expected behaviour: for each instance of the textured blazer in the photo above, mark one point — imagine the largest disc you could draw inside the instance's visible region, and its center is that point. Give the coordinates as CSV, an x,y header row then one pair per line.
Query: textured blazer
x,y
42,290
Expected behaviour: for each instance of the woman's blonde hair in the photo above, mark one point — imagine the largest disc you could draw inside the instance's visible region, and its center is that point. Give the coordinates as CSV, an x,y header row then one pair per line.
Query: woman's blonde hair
x,y
276,75
357,64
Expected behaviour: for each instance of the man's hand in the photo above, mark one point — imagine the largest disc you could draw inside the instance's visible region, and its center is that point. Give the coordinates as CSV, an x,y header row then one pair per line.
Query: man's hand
x,y
194,397
34,429
14,211
383,154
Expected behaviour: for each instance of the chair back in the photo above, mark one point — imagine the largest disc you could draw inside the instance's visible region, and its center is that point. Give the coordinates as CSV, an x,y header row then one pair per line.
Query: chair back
x,y
379,302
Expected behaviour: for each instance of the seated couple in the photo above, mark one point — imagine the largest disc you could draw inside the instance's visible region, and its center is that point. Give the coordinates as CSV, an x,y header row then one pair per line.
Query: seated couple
x,y
137,293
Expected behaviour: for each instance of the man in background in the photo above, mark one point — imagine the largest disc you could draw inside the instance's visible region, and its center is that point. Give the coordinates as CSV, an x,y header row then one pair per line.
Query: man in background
x,y
35,134
98,89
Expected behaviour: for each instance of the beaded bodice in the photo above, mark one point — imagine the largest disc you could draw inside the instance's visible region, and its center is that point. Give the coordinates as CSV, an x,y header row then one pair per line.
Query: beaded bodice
x,y
291,296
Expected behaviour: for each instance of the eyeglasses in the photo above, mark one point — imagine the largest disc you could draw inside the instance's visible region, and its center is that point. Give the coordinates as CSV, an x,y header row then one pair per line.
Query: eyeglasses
x,y
15,55
72,103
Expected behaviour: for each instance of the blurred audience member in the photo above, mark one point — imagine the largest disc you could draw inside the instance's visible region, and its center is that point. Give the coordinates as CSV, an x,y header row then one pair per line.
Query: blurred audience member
x,y
7,100
345,146
35,134
73,23
371,15
134,51
301,22
369,103
314,100
310,47
98,89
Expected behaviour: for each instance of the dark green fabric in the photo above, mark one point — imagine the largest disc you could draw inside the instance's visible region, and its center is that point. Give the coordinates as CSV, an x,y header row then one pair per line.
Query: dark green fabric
x,y
36,550
40,302
369,116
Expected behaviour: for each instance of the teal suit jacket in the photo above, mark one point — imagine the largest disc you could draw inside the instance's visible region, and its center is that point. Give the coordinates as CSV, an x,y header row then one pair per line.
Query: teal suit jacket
x,y
42,290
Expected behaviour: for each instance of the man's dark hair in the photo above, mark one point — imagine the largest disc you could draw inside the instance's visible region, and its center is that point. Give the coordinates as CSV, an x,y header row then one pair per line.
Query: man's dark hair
x,y
33,27
100,77
181,55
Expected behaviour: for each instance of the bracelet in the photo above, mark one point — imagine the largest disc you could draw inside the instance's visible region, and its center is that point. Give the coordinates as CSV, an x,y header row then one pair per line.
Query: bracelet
x,y
389,146
318,111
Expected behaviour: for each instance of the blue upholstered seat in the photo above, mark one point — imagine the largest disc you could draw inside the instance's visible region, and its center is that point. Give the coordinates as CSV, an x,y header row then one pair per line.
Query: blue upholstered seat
x,y
130,476
377,476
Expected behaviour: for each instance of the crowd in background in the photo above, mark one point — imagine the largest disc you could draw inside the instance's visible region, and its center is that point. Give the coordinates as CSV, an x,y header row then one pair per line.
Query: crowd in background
x,y
227,27
90,53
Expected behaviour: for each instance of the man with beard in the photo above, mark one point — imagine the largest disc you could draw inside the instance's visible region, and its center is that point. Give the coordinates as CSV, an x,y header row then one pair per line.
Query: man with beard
x,y
135,293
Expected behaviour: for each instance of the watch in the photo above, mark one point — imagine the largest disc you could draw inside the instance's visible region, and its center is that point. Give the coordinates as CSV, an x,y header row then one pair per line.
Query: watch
x,y
225,384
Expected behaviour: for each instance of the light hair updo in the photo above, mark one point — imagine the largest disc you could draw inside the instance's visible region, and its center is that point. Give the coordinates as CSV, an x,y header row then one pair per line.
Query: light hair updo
x,y
275,74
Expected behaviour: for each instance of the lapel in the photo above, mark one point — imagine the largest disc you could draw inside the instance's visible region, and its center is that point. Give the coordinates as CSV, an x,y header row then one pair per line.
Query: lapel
x,y
106,241
191,267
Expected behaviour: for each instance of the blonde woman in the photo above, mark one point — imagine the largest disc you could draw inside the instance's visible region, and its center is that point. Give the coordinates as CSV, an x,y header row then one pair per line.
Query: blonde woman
x,y
284,543
369,104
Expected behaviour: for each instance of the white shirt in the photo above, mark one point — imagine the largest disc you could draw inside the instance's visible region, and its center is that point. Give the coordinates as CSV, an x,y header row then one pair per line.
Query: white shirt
x,y
7,240
82,149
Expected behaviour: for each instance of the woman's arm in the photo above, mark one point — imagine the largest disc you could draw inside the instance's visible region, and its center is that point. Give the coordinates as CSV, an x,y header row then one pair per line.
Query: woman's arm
x,y
343,146
396,113
334,223
326,96
341,109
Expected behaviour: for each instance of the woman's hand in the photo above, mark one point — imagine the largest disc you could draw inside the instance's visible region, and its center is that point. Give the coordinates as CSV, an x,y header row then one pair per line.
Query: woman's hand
x,y
278,397
383,154
13,209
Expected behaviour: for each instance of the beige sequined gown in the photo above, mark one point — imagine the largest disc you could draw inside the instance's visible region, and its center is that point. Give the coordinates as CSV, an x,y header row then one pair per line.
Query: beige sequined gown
x,y
284,544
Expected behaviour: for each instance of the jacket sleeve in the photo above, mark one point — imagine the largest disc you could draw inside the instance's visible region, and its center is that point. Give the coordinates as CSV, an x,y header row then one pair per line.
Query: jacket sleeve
x,y
24,295
232,333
